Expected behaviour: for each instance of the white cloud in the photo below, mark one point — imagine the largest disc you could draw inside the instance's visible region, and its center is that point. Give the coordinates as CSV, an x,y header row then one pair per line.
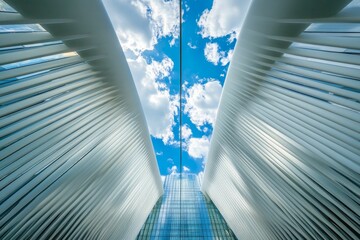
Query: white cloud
x,y
198,147
232,37
191,46
224,18
225,60
174,143
165,17
140,23
214,55
186,169
185,131
160,107
202,102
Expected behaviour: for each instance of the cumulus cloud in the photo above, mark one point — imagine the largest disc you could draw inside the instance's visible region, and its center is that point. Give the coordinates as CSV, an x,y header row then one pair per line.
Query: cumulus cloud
x,y
225,60
140,23
165,17
225,17
214,55
211,52
160,107
185,131
198,147
201,102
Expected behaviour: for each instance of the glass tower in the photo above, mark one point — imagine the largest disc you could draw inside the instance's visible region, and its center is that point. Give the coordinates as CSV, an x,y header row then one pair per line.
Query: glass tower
x,y
185,214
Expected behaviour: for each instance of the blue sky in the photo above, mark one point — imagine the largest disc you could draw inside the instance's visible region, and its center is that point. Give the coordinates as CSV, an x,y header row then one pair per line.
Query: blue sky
x,y
149,33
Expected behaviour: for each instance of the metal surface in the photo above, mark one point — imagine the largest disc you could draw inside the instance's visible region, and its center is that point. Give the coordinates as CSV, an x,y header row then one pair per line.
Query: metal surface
x,y
284,160
76,160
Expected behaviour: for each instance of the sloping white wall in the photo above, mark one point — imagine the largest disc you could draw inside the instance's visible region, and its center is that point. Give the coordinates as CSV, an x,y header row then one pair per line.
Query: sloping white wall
x,y
284,160
76,157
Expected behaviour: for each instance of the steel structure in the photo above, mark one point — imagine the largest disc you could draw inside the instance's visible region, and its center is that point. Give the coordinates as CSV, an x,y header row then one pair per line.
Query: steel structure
x,y
284,161
76,157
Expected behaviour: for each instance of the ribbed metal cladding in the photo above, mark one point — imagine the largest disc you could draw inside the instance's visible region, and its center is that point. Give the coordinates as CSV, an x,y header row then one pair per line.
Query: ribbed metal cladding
x,y
76,160
284,161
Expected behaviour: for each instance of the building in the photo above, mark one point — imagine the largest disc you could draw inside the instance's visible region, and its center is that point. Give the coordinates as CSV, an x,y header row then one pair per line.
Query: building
x,y
183,212
285,149
76,157
76,160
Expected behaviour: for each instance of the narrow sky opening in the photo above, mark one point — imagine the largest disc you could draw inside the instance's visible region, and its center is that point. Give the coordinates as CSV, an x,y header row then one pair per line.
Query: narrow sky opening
x,y
149,33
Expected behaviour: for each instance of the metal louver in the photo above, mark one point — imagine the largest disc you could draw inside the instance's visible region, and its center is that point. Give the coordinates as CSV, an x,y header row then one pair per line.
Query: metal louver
x,y
76,160
284,160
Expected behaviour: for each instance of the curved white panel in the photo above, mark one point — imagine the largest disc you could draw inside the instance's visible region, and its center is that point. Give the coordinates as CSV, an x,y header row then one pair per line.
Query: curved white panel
x,y
76,160
284,160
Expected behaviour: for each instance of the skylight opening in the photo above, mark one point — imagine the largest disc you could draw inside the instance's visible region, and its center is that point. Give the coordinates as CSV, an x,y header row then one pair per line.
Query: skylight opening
x,y
157,58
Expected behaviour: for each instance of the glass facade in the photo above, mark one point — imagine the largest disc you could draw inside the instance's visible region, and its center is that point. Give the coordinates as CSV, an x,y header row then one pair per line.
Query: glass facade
x,y
183,212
